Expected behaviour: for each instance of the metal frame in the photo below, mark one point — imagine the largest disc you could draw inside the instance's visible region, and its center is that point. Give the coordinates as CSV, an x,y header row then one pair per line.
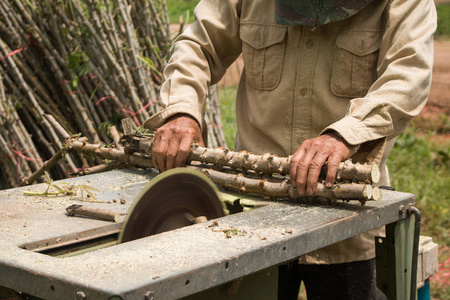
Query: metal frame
x,y
178,263
397,255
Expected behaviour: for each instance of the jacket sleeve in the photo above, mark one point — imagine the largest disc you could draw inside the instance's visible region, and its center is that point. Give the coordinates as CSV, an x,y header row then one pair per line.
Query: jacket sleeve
x,y
404,75
199,58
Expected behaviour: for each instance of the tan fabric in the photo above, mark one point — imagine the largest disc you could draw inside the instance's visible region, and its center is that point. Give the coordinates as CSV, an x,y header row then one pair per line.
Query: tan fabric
x,y
364,77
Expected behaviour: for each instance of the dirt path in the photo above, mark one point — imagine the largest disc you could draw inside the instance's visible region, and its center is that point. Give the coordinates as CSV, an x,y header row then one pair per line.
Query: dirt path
x,y
440,87
435,115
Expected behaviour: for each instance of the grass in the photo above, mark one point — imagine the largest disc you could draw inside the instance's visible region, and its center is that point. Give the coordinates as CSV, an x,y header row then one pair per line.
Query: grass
x,y
419,164
227,97
184,8
421,167
443,14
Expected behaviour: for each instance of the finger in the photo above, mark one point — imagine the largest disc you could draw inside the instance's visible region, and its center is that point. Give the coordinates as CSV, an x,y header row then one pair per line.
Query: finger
x,y
325,149
161,155
314,172
154,160
183,152
332,167
155,151
172,153
303,169
293,164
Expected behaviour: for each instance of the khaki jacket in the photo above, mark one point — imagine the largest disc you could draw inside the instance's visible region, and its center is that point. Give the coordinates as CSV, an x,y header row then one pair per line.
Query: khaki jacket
x,y
365,77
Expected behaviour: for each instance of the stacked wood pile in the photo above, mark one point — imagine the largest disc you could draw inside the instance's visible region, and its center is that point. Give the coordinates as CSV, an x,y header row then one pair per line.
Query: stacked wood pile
x,y
88,63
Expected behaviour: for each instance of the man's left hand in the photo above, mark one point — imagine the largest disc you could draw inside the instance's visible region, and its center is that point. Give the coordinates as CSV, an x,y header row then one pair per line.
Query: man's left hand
x,y
307,161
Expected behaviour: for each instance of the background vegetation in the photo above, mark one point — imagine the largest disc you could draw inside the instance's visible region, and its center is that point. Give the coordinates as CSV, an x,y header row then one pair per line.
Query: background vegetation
x,y
183,8
443,11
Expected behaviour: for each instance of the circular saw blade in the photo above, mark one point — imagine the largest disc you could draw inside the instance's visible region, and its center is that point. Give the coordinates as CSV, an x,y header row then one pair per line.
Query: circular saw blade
x,y
171,200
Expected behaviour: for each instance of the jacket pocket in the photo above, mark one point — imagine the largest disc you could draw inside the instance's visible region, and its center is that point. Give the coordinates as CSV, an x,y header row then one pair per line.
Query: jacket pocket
x,y
263,53
355,63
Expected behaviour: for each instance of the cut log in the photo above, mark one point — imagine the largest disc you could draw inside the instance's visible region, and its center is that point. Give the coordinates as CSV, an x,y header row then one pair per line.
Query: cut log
x,y
95,213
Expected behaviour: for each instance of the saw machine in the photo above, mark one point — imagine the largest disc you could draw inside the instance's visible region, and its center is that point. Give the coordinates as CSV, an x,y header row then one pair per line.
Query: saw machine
x,y
179,236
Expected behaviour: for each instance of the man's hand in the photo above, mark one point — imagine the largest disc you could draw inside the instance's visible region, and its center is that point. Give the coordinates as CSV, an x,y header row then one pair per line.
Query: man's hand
x,y
173,141
307,161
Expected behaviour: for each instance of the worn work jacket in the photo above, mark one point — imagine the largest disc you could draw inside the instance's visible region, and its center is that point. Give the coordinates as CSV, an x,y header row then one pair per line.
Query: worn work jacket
x,y
364,77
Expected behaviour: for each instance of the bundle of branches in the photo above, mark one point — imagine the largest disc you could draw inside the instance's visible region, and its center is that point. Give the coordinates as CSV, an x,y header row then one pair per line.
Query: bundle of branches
x,y
88,63
246,172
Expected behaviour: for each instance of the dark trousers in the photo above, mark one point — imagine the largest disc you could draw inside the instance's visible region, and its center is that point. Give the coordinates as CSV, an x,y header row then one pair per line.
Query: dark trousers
x,y
347,281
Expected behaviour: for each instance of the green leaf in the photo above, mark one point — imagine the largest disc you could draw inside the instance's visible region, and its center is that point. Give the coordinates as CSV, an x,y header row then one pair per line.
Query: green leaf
x,y
58,188
85,69
74,61
104,127
74,83
149,64
147,61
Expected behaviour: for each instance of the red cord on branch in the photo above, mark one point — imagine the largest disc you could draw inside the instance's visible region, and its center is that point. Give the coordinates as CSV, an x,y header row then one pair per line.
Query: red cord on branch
x,y
130,113
20,155
32,43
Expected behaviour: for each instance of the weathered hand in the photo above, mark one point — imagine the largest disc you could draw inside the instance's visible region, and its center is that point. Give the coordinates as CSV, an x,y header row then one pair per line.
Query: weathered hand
x,y
307,161
173,141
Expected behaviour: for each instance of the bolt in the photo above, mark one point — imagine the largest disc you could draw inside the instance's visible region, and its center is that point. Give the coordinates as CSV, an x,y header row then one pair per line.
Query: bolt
x,y
402,209
149,296
80,296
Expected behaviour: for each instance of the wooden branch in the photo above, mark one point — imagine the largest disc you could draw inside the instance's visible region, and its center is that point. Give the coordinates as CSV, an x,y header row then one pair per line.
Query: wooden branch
x,y
270,164
116,137
62,132
81,146
46,166
129,127
100,168
284,189
264,164
101,214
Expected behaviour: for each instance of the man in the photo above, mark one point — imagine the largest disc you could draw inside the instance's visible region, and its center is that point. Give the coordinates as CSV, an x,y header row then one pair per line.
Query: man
x,y
323,81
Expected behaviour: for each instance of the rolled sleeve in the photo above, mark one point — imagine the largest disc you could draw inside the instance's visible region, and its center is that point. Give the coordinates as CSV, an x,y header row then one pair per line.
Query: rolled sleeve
x,y
404,76
199,58
158,119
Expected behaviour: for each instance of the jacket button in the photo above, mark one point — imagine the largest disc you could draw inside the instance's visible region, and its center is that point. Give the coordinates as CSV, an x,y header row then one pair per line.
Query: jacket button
x,y
304,91
309,44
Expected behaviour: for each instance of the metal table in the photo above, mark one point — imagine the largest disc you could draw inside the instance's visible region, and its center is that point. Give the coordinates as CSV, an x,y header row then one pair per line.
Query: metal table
x,y
197,260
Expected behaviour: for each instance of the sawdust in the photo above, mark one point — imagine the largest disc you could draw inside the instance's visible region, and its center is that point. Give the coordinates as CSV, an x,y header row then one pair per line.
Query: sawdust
x,y
245,231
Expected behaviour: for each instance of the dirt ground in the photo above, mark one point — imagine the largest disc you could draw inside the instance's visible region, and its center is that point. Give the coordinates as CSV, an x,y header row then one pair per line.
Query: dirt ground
x,y
438,106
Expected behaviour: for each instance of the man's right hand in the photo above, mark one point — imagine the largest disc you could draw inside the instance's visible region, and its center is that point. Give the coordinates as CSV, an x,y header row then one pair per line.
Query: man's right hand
x,y
173,141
